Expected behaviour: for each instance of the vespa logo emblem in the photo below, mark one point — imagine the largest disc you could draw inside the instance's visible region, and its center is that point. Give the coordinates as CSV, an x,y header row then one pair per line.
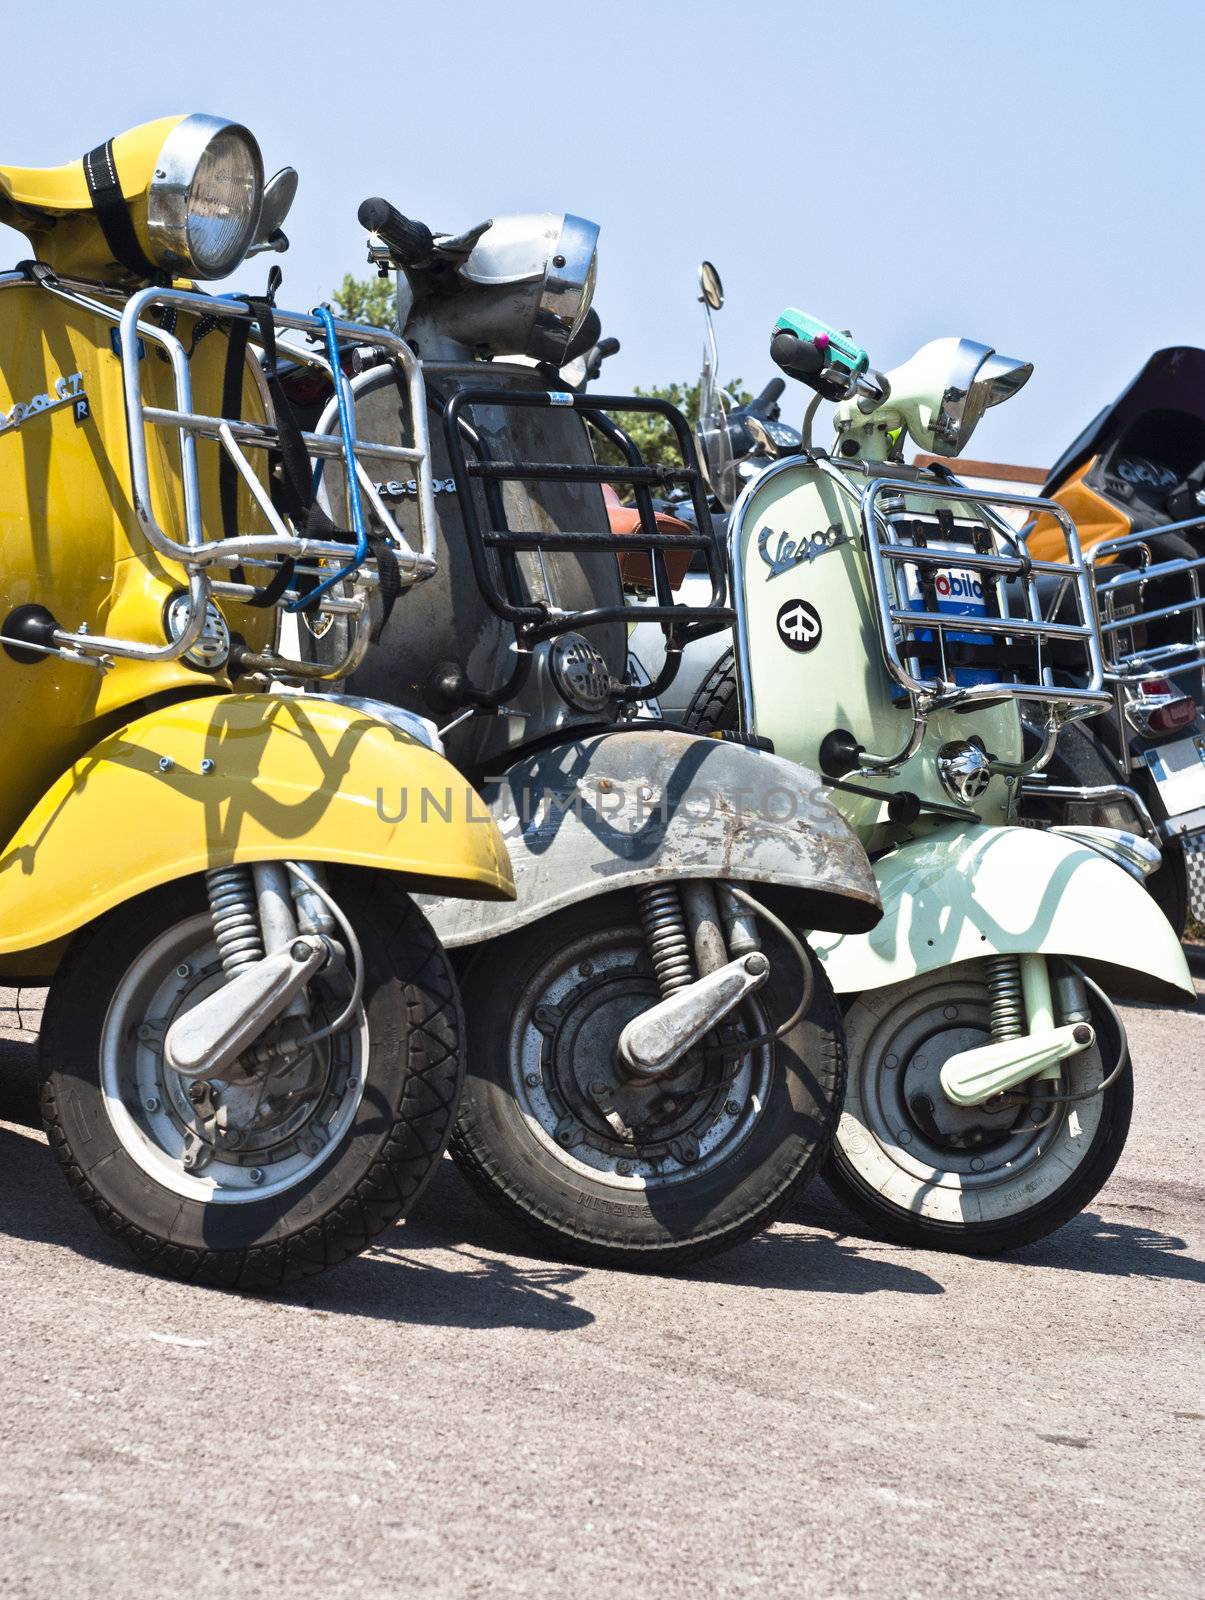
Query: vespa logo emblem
x,y
395,489
68,391
799,625
791,552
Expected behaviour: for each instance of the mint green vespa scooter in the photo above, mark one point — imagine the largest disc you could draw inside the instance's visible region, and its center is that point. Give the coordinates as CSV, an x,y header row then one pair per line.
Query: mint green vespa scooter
x,y
890,625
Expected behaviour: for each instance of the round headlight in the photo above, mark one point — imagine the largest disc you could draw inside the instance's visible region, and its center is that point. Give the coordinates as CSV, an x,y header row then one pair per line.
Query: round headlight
x,y
205,197
568,289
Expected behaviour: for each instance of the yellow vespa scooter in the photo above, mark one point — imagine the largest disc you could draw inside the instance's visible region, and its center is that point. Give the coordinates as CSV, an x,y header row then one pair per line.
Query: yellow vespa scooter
x,y
251,1048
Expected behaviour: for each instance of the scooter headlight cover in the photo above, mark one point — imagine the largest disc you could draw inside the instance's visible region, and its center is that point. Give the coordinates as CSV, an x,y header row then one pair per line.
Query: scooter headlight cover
x,y
536,274
204,201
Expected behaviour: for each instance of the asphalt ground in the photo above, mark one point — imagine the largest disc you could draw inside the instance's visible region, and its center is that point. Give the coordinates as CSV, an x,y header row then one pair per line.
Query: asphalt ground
x,y
816,1413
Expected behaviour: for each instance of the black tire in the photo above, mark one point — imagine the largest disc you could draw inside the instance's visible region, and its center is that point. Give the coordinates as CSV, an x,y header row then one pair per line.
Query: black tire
x,y
577,1216
413,1071
853,1155
716,706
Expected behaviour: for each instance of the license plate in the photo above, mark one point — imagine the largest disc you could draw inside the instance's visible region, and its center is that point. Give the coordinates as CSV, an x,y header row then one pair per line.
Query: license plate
x,y
1179,773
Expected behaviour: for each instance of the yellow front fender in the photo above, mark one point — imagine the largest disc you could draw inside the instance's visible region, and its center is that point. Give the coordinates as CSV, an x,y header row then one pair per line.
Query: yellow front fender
x,y
235,778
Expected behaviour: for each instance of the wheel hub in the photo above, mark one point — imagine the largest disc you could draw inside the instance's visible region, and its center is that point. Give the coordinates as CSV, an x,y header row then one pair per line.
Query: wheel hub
x,y
565,1067
579,1061
227,1139
943,1124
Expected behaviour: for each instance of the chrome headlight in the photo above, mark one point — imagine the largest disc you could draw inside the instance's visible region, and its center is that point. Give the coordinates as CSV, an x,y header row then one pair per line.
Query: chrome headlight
x,y
204,201
530,281
941,393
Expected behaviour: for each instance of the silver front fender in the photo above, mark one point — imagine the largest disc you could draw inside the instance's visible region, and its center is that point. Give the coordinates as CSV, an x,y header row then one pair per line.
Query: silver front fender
x,y
619,809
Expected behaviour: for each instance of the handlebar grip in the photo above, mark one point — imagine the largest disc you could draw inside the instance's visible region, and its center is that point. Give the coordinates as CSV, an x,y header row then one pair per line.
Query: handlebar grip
x,y
773,391
411,244
607,347
798,357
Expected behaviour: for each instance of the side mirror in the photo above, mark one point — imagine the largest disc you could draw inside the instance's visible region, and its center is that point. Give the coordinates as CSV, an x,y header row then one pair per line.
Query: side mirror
x,y
279,194
711,285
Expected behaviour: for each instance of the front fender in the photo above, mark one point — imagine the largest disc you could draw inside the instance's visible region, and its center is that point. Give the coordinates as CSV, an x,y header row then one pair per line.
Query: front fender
x,y
967,892
618,809
234,778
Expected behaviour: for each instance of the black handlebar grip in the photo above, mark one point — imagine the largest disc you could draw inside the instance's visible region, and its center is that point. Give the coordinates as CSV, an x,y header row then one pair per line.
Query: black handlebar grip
x,y
411,244
773,391
797,357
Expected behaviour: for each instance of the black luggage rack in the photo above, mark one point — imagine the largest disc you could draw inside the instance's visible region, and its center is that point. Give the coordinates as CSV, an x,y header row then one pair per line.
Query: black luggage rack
x,y
537,621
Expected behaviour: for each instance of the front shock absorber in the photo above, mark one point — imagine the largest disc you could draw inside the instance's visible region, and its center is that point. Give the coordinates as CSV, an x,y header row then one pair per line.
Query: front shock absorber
x,y
234,910
1007,997
668,941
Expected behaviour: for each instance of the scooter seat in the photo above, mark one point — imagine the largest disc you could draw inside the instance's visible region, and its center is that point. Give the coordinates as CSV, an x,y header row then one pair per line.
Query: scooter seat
x,y
636,565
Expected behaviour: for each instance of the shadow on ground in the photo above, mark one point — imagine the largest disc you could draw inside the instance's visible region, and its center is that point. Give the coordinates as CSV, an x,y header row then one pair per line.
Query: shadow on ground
x,y
409,1278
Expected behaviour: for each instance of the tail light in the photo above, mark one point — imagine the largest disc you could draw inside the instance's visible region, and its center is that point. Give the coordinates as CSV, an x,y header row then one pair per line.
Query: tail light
x,y
1159,707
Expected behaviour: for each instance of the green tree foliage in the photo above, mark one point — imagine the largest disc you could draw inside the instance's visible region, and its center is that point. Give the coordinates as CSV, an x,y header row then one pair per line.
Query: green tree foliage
x,y
370,300
373,300
652,435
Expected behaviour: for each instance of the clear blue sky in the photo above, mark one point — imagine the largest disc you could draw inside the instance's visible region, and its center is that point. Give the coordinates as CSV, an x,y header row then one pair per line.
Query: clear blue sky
x,y
1029,174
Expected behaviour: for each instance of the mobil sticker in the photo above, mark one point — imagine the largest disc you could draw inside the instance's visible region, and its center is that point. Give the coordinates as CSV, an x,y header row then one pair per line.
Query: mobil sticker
x,y
960,592
956,592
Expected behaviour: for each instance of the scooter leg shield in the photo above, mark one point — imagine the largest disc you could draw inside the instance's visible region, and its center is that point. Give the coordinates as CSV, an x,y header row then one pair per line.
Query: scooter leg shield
x,y
963,893
620,809
236,778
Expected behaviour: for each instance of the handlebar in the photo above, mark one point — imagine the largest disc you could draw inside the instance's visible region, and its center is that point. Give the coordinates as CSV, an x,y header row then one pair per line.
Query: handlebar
x,y
823,357
770,395
411,244
800,358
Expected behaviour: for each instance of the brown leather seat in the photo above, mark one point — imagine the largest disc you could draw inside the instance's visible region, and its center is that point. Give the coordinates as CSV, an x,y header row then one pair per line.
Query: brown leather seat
x,y
636,565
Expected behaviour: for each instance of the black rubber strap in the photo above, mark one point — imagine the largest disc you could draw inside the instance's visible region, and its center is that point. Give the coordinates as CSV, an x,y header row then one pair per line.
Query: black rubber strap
x,y
296,482
113,214
389,579
232,410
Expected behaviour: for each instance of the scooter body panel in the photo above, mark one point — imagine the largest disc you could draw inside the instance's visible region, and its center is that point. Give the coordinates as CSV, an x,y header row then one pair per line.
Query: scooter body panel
x,y
798,542
963,893
236,778
70,541
622,809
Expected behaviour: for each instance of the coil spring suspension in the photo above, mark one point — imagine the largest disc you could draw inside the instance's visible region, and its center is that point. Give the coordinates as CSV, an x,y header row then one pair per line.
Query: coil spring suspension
x,y
235,914
1007,997
668,942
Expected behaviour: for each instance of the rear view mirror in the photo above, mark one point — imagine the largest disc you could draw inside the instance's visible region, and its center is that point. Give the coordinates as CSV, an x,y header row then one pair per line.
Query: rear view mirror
x,y
279,193
711,285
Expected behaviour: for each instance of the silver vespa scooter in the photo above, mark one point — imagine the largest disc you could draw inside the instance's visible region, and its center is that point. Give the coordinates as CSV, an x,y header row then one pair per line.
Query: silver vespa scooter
x,y
655,1058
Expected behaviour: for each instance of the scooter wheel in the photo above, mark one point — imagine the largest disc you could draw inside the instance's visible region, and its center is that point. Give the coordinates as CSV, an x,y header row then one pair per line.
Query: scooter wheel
x,y
716,702
243,1184
649,1175
943,1177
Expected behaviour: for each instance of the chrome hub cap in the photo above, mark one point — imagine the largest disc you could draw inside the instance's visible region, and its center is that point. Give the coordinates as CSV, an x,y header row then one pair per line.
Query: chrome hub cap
x,y
218,1141
565,1077
952,1163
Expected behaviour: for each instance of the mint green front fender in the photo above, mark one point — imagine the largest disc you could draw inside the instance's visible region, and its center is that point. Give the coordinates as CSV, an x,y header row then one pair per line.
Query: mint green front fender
x,y
967,892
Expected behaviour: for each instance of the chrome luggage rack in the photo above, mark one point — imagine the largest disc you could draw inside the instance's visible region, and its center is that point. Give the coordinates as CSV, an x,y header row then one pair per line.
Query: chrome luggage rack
x,y
329,577
1011,651
1126,616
